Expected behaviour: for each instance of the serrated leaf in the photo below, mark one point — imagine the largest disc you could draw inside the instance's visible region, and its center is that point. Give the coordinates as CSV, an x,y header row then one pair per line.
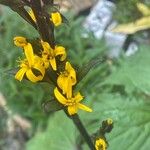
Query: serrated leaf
x,y
130,116
133,72
60,135
49,8
64,19
82,72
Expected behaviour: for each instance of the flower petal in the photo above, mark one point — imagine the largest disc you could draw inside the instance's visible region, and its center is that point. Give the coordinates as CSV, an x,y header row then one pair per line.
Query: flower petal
x,y
60,50
83,107
20,41
53,63
68,88
72,109
60,81
32,77
72,72
56,18
60,97
78,97
46,47
31,13
39,65
19,75
29,54
65,83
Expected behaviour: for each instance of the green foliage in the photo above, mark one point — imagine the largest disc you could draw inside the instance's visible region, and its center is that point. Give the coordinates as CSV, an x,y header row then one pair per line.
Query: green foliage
x,y
126,10
59,135
79,49
22,98
133,73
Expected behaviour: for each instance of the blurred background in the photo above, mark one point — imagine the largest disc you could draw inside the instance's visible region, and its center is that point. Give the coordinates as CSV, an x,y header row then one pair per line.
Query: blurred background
x,y
118,89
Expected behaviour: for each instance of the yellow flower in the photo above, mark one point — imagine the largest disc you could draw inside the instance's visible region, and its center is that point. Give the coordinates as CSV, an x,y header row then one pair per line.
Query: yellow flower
x,y
49,54
32,62
67,79
100,144
20,41
56,18
72,103
138,25
109,121
31,13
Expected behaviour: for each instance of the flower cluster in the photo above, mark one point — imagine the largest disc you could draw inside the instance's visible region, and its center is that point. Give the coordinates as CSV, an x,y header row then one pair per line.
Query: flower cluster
x,y
37,62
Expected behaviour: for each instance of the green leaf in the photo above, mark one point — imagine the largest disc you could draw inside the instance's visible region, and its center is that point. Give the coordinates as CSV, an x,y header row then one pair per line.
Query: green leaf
x,y
51,106
133,72
82,72
11,72
131,120
59,135
49,8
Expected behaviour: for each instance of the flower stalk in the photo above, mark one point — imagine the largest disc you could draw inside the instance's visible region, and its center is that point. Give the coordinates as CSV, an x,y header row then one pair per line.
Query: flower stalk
x,y
45,27
79,125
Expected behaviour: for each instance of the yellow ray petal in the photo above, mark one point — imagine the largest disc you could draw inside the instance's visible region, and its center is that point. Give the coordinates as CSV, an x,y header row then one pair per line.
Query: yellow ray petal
x,y
78,97
60,50
39,65
83,107
71,71
19,75
68,88
72,109
32,77
60,81
68,66
32,15
64,84
29,54
53,63
56,18
46,47
143,9
60,97
20,41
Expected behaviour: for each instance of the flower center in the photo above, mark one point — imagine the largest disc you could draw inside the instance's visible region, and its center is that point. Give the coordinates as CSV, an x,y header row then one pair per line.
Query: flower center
x,y
70,102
